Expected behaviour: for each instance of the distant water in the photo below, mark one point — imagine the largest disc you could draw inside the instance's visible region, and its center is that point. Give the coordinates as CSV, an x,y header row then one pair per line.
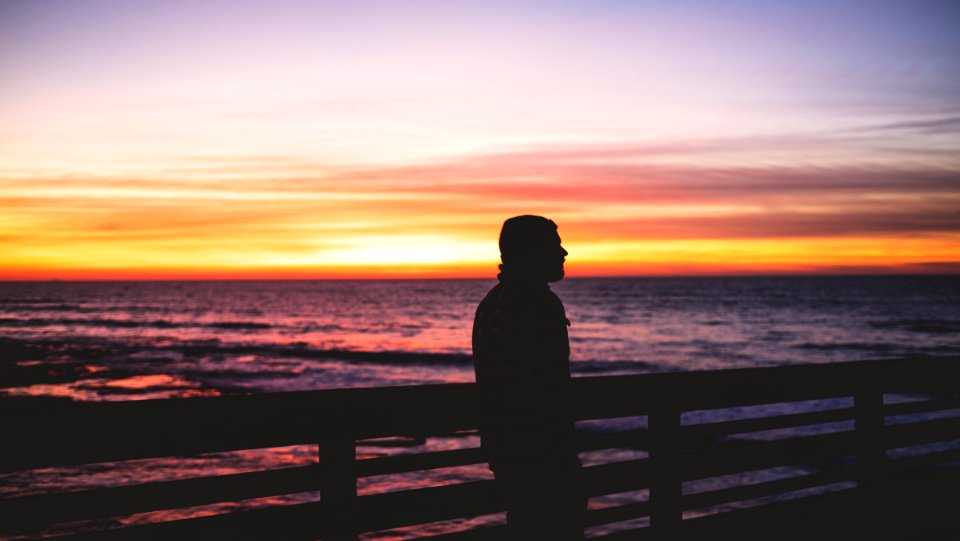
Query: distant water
x,y
135,340
128,340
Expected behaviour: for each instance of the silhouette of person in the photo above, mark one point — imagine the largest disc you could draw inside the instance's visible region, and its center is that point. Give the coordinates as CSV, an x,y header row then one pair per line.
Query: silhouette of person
x,y
521,354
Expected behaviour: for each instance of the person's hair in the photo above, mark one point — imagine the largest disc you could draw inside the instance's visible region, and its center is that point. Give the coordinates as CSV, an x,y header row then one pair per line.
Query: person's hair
x,y
521,234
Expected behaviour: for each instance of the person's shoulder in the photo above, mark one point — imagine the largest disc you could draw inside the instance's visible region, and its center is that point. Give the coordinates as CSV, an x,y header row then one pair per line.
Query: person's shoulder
x,y
495,293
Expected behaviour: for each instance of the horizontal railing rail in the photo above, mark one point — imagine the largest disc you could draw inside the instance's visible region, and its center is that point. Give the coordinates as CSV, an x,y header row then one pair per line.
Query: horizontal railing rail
x,y
702,448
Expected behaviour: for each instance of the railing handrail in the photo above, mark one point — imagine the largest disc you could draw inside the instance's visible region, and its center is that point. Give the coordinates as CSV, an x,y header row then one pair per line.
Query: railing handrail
x,y
107,431
49,434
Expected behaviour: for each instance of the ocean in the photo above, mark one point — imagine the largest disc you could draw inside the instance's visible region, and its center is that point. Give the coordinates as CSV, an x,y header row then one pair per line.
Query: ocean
x,y
135,340
110,341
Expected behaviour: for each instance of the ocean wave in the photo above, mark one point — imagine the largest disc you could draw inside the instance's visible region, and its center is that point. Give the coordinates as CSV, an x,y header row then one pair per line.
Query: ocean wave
x,y
129,323
836,346
611,367
881,348
38,300
50,307
237,325
302,350
931,326
162,352
154,350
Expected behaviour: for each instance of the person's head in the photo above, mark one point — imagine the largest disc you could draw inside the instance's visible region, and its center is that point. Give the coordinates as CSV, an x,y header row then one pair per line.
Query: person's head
x,y
530,245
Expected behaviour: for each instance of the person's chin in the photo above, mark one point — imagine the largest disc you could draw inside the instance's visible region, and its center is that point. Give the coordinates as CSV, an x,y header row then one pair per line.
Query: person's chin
x,y
557,276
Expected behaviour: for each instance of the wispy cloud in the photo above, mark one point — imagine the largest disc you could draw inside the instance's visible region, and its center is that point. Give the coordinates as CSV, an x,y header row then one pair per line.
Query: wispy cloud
x,y
616,195
935,126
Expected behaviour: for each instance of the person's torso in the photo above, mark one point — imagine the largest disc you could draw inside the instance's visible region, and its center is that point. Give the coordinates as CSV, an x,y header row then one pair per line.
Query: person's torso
x,y
521,357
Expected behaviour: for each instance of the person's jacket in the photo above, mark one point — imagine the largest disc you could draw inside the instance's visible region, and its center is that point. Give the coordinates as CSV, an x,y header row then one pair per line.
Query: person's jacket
x,y
522,360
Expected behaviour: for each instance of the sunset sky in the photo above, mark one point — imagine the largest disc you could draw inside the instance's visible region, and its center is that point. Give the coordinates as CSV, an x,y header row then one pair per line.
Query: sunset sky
x,y
309,139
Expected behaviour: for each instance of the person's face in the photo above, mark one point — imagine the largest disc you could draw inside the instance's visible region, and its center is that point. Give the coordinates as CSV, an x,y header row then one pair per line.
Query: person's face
x,y
550,256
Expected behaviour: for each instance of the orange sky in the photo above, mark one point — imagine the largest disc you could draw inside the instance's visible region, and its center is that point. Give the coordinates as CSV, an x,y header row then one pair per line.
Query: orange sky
x,y
443,220
283,142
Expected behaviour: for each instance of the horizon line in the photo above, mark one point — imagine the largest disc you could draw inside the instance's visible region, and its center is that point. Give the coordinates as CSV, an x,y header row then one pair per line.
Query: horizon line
x,y
422,278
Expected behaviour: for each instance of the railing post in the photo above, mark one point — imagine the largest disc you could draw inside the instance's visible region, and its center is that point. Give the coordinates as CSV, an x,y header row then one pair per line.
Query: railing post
x,y
666,489
338,485
868,419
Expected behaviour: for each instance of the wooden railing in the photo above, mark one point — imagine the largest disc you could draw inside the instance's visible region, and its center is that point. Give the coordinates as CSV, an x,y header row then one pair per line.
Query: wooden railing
x,y
873,453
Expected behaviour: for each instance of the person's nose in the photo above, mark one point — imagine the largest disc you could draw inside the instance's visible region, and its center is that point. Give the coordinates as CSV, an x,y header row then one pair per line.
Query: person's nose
x,y
564,252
